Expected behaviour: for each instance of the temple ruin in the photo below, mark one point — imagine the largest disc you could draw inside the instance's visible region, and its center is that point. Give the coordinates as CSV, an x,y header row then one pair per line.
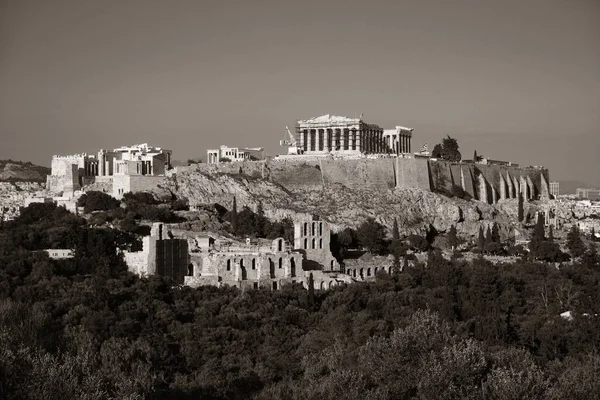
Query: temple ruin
x,y
121,170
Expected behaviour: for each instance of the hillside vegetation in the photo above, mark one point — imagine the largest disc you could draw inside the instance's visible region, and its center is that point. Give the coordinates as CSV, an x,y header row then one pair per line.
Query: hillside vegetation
x,y
444,329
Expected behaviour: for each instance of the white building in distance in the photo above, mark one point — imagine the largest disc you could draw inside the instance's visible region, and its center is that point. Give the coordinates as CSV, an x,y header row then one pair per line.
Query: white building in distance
x,y
226,153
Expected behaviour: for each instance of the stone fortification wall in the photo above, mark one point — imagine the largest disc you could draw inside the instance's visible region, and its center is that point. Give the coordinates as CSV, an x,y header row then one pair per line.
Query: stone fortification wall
x,y
134,183
65,183
313,172
489,183
413,173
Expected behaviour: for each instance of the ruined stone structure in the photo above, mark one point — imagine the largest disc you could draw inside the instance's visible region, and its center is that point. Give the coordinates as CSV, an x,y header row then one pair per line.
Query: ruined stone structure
x,y
160,255
256,264
126,169
249,266
269,264
312,238
234,154
140,159
398,140
330,133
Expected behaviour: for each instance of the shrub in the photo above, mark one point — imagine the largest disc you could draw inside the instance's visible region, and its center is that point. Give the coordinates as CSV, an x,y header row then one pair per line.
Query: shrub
x,y
97,201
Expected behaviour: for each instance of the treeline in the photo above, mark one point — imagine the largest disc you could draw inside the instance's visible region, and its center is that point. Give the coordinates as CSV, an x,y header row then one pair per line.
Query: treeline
x,y
447,329
127,213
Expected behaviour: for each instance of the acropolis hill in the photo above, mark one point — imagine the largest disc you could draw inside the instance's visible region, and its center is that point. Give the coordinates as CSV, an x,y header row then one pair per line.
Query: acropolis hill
x,y
343,169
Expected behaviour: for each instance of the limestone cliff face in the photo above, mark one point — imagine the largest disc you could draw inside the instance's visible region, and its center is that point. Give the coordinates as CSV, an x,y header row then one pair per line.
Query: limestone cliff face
x,y
415,209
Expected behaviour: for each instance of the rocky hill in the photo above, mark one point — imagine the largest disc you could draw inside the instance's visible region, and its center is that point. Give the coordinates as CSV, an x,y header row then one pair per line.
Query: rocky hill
x,y
19,171
415,209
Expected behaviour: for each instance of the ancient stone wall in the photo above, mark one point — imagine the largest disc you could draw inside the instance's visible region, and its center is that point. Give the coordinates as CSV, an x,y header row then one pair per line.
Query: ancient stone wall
x,y
413,172
66,183
133,183
312,238
489,183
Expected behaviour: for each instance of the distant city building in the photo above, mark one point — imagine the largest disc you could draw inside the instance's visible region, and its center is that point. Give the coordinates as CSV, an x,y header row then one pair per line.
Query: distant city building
x,y
60,254
590,194
226,153
555,189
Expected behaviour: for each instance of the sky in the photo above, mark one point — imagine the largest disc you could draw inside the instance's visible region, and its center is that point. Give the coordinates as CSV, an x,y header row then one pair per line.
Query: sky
x,y
515,80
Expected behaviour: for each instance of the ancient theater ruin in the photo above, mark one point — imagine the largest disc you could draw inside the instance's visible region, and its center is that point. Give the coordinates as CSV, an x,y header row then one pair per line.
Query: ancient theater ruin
x,y
256,263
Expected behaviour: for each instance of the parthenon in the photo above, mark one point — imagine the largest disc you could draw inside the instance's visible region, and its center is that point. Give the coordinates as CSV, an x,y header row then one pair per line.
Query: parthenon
x,y
329,133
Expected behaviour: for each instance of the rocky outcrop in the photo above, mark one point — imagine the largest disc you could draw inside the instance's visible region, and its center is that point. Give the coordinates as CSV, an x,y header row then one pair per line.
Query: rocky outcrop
x,y
14,194
416,210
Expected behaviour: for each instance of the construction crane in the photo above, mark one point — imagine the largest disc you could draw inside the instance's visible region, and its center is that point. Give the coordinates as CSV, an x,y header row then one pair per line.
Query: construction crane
x,y
290,144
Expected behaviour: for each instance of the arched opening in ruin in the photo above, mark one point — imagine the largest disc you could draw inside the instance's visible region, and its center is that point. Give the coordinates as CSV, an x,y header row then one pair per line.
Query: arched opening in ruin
x,y
274,285
332,264
271,269
362,272
280,245
320,229
320,243
368,271
228,265
254,263
390,270
313,229
190,270
242,263
292,267
314,242
280,262
375,271
305,228
331,284
244,273
355,273
306,243
322,286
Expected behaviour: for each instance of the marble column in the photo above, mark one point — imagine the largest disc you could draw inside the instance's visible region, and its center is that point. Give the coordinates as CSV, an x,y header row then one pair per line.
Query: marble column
x,y
326,137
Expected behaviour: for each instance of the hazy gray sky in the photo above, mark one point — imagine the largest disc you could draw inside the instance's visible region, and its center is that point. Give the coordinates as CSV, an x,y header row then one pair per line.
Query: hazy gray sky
x,y
515,79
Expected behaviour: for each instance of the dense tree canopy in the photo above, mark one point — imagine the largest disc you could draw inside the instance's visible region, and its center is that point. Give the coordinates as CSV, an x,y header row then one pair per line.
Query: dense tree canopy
x,y
447,150
86,328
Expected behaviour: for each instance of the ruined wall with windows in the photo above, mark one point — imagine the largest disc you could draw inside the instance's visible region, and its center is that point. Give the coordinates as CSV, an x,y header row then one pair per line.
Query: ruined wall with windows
x,y
248,266
312,238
